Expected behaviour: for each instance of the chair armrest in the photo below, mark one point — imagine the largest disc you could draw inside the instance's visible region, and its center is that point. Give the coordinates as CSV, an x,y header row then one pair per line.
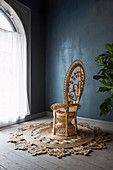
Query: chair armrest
x,y
58,105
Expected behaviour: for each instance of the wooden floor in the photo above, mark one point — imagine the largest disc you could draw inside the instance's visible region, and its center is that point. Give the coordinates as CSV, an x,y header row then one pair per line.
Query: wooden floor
x,y
18,160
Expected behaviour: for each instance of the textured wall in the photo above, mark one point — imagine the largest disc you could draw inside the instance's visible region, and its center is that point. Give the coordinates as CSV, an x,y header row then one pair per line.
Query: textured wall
x,y
77,29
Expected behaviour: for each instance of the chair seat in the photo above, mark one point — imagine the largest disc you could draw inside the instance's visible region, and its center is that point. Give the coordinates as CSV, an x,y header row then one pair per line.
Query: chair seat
x,y
61,108
72,109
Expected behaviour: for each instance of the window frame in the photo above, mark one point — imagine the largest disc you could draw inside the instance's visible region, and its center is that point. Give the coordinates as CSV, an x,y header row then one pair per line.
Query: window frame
x,y
6,17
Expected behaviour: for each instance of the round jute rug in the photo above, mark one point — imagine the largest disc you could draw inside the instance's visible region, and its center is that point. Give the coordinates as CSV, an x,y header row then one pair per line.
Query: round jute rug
x,y
38,138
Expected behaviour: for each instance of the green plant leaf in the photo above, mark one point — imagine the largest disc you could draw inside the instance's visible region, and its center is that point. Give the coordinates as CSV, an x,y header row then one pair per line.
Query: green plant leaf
x,y
97,77
105,76
109,77
102,55
105,83
109,55
106,106
99,60
107,100
109,47
111,91
103,89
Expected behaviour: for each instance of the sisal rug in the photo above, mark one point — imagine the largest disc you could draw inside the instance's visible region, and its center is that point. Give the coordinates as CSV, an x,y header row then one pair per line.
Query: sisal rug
x,y
37,138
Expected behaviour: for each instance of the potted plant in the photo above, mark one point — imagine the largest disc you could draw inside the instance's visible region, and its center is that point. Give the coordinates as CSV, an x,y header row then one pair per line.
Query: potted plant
x,y
105,77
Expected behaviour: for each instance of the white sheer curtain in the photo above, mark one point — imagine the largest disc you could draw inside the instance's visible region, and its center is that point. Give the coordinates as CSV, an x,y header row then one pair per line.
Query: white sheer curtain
x,y
13,79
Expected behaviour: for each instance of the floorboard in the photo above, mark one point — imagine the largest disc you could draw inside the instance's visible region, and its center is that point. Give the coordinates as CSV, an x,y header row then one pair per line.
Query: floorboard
x,y
11,159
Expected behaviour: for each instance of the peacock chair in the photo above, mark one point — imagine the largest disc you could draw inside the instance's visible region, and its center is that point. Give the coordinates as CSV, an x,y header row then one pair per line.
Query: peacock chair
x,y
63,114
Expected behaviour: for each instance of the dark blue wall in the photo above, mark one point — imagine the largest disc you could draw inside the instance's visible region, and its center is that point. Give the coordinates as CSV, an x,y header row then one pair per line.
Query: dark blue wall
x,y
77,29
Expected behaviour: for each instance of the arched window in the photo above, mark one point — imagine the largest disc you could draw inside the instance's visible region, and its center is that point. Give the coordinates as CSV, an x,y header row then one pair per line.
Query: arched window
x,y
13,67
5,22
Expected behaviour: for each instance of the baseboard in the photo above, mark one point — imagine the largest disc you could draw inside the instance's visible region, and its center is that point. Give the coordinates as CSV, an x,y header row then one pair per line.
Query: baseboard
x,y
35,116
93,122
49,114
100,123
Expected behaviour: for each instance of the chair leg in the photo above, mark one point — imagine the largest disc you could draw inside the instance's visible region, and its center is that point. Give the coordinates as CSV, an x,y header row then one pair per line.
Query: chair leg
x,y
67,125
54,122
75,125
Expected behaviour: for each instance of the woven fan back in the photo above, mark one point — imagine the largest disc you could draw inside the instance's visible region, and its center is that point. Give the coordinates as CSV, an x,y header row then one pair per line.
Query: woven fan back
x,y
74,82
